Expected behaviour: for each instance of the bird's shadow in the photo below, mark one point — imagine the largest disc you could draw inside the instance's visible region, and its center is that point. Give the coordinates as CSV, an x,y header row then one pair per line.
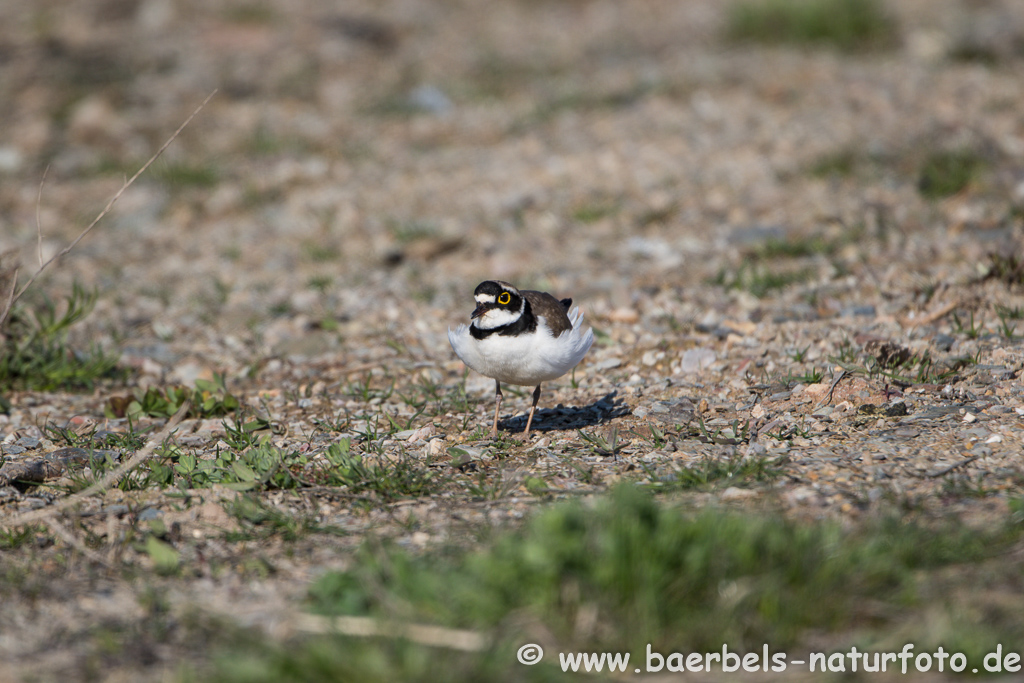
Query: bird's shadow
x,y
562,417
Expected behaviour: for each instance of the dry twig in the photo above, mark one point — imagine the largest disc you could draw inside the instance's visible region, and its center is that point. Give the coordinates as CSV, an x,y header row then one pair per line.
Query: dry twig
x,y
106,480
106,209
422,634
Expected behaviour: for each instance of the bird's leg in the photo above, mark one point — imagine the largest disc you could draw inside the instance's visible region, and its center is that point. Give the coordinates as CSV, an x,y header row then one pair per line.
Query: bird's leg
x,y
529,420
497,407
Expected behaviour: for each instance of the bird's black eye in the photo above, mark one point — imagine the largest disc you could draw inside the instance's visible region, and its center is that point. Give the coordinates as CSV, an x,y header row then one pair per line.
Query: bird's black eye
x,y
504,298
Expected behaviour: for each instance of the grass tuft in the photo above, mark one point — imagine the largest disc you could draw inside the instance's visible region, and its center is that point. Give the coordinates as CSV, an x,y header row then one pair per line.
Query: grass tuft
x,y
625,571
946,173
847,25
35,353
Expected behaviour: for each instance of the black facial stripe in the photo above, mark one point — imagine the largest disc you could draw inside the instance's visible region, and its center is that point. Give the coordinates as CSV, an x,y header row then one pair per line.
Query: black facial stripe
x,y
525,324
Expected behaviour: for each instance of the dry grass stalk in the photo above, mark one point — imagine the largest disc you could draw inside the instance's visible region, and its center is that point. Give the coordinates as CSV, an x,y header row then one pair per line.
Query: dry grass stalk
x,y
17,293
103,482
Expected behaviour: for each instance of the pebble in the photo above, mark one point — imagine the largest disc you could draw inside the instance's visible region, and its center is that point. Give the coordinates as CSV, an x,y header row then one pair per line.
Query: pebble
x,y
695,360
150,514
651,357
435,447
734,493
628,316
422,434
606,364
431,99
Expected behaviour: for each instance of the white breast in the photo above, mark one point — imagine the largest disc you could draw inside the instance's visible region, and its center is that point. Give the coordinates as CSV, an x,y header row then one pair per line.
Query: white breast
x,y
526,359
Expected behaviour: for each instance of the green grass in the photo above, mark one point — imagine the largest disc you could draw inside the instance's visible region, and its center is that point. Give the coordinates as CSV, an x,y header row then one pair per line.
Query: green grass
x,y
209,398
847,25
841,163
945,173
182,175
593,212
35,352
1007,268
756,278
625,570
899,364
711,473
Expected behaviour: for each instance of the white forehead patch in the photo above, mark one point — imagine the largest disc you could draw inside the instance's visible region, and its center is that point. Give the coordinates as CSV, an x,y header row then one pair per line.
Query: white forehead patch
x,y
484,298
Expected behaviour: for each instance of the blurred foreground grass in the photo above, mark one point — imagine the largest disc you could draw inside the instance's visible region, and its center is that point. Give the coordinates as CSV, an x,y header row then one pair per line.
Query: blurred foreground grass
x,y
847,25
626,569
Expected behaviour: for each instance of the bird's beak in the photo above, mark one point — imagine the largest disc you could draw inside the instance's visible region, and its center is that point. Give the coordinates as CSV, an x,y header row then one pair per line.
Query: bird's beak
x,y
479,311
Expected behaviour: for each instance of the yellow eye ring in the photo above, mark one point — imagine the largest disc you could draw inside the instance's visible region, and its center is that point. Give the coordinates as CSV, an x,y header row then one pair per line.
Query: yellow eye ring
x,y
504,298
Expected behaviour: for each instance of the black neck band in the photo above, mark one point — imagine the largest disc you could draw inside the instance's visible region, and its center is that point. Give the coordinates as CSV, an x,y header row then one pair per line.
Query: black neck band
x,y
524,324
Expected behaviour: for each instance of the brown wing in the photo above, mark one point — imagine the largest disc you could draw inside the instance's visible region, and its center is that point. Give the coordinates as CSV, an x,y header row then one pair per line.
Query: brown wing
x,y
553,310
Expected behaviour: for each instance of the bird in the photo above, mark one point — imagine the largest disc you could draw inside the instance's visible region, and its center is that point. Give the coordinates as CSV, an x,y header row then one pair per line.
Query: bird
x,y
521,337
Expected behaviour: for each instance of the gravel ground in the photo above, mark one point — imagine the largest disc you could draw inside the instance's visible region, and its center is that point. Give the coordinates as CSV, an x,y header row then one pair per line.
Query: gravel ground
x,y
746,227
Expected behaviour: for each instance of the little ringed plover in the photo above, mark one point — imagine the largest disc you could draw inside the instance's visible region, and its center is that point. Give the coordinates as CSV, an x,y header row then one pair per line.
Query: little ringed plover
x,y
520,337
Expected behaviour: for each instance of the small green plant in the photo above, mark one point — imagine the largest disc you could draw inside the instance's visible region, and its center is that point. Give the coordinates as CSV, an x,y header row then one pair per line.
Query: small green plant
x,y
240,435
15,537
712,472
755,278
1006,328
210,398
364,391
812,376
1010,313
182,175
1007,268
848,25
971,329
390,479
591,213
609,447
129,440
841,163
732,434
35,353
799,355
945,173
259,519
319,252
260,467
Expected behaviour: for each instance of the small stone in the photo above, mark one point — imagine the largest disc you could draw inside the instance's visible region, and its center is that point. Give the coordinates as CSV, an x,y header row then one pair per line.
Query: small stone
x,y
624,315
463,455
695,360
431,99
802,495
969,417
734,493
423,433
150,514
606,364
758,411
435,448
995,438
541,444
815,389
652,357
